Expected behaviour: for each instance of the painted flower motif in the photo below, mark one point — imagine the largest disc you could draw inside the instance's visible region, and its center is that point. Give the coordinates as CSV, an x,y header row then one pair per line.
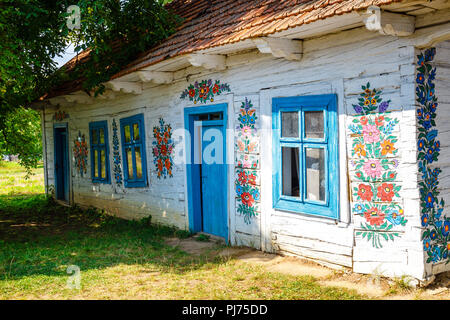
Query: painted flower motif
x,y
239,190
426,244
363,120
365,192
436,254
372,168
242,177
251,179
429,155
420,78
379,121
247,199
394,217
421,144
358,208
429,200
424,220
371,134
374,216
246,131
387,147
360,150
446,228
386,192
383,106
358,109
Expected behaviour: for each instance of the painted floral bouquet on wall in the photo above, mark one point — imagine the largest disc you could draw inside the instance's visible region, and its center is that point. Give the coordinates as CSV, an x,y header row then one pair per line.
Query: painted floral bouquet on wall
x,y
375,164
436,235
245,130
247,193
80,153
204,91
162,149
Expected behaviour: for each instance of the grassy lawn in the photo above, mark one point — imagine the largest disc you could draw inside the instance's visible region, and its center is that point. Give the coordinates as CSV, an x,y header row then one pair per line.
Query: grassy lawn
x,y
118,259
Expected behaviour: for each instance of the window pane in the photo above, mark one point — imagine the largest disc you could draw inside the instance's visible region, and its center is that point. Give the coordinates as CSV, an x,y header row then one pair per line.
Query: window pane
x,y
289,124
103,163
137,153
314,124
290,169
95,163
136,131
315,174
127,133
94,136
102,135
129,163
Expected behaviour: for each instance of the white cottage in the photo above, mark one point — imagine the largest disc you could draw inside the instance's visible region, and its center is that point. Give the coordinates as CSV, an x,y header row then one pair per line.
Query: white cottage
x,y
307,128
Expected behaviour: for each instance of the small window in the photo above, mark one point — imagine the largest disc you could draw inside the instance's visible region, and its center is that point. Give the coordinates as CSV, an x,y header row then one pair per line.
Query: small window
x,y
133,149
305,155
99,151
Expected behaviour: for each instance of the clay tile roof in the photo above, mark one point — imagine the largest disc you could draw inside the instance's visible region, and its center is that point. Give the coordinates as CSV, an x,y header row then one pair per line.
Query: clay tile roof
x,y
212,23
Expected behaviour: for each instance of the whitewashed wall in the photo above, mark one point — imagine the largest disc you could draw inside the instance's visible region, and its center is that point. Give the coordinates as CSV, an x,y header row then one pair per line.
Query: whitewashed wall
x,y
339,63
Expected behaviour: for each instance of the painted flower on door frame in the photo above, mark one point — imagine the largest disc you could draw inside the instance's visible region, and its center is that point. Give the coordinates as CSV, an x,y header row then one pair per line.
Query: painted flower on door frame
x,y
247,191
162,149
204,91
374,153
80,153
436,234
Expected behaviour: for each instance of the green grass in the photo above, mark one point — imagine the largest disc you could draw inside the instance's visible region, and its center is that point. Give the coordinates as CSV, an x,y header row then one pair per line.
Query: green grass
x,y
13,179
122,259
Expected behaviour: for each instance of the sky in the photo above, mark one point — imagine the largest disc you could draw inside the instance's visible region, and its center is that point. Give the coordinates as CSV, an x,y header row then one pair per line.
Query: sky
x,y
69,54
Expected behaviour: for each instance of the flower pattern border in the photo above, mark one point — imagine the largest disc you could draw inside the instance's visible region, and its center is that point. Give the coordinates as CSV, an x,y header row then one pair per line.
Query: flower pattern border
x,y
204,91
436,234
80,153
247,191
162,149
116,155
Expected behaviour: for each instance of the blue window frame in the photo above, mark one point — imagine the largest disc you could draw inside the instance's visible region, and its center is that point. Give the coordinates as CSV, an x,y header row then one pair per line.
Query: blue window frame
x,y
305,155
132,132
99,151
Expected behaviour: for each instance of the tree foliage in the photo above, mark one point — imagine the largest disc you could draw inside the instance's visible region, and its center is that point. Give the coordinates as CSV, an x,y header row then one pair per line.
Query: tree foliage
x,y
34,32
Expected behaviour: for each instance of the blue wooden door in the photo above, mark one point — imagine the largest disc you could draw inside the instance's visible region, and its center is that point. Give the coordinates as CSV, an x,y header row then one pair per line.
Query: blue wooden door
x,y
61,164
214,179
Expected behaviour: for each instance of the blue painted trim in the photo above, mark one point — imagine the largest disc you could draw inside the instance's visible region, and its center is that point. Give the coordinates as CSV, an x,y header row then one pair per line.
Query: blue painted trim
x,y
193,170
63,125
328,103
96,126
134,183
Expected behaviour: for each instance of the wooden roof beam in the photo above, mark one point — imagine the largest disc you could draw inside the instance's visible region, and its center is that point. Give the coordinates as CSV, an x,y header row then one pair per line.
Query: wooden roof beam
x,y
207,61
125,86
280,47
388,23
155,76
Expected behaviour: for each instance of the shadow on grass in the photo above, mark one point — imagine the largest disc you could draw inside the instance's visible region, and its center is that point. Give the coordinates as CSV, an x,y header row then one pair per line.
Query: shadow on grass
x,y
40,237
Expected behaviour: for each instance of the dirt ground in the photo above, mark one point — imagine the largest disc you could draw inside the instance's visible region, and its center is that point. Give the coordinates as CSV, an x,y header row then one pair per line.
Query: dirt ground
x,y
368,285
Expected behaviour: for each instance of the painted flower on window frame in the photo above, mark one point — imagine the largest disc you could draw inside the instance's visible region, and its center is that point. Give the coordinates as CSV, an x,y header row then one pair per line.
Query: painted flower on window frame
x,y
375,168
162,149
435,237
80,153
204,91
